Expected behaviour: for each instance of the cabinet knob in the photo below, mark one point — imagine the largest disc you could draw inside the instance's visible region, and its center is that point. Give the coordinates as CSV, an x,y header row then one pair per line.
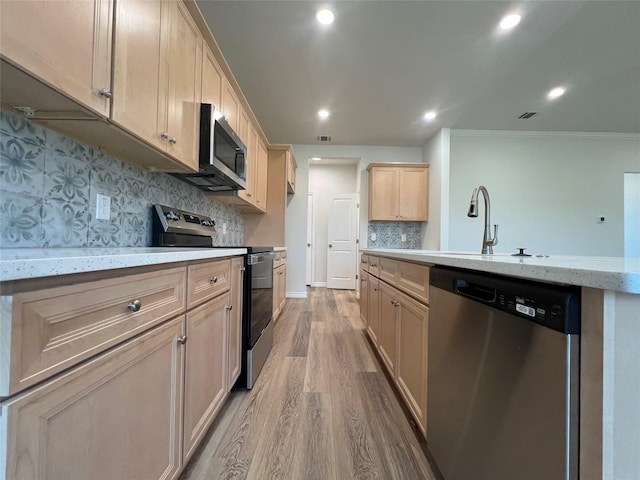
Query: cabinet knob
x,y
229,307
330,246
182,340
164,135
214,280
173,140
135,305
106,93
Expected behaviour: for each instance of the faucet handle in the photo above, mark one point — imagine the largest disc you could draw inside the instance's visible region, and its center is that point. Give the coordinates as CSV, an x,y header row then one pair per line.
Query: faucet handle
x,y
494,240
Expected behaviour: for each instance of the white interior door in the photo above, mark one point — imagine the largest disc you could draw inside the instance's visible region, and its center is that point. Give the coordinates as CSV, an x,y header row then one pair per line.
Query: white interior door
x,y
341,254
310,233
632,214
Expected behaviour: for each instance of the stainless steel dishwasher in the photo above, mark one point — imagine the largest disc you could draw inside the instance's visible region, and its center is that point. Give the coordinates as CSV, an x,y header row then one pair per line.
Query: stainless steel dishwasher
x,y
503,373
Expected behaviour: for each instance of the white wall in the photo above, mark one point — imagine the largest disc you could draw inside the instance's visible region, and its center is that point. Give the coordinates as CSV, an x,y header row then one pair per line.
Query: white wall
x,y
296,216
435,152
327,181
546,190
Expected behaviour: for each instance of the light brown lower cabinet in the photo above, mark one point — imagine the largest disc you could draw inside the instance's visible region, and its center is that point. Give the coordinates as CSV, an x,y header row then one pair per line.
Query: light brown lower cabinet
x,y
279,283
234,328
205,376
397,325
364,297
116,416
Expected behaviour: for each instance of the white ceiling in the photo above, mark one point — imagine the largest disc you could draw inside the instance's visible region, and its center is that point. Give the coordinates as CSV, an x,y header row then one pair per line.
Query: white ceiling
x,y
382,64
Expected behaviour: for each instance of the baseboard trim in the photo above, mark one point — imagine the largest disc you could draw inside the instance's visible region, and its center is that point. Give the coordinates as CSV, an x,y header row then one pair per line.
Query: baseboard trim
x,y
319,284
296,295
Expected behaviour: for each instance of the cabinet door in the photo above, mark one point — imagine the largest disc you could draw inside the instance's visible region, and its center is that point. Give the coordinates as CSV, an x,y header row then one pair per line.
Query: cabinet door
x,y
412,194
275,309
205,382
282,286
234,329
252,165
230,105
261,176
374,309
184,85
139,73
364,298
387,344
243,125
412,356
66,44
383,193
116,416
212,80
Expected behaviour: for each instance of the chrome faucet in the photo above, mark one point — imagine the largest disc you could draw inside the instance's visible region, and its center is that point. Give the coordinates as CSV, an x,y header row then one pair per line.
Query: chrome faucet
x,y
487,242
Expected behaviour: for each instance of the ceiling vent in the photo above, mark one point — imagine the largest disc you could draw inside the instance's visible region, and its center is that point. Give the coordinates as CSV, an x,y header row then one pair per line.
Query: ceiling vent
x,y
323,138
527,115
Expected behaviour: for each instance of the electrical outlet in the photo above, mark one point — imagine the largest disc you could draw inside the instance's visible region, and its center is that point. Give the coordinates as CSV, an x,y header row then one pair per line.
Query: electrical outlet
x,y
403,237
224,228
374,237
600,218
103,207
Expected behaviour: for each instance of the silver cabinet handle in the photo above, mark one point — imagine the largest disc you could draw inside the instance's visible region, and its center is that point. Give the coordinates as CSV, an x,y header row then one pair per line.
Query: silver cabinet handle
x,y
106,93
182,340
173,140
135,305
229,307
164,135
214,280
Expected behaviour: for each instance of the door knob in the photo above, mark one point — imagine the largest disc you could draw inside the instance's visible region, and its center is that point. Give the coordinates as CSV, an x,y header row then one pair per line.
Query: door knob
x,y
330,245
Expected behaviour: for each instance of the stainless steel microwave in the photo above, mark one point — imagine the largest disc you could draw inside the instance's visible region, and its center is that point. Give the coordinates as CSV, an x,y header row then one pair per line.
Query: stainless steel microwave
x,y
222,157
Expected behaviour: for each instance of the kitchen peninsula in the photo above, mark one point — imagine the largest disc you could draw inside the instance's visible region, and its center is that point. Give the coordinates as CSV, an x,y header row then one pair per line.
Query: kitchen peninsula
x,y
609,354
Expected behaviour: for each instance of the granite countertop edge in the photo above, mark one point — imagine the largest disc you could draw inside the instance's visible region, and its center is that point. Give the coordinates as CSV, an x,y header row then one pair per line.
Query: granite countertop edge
x,y
28,263
620,274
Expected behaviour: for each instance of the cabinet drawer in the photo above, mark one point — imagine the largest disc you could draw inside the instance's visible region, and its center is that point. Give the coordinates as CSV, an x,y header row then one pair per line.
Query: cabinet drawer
x,y
414,279
56,328
207,280
373,265
364,263
388,270
277,259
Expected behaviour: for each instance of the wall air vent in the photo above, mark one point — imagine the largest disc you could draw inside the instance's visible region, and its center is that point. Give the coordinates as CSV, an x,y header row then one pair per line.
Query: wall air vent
x,y
527,115
323,138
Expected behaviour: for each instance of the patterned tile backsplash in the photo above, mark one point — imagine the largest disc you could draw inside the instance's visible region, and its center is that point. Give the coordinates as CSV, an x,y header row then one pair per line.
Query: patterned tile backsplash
x,y
389,234
48,188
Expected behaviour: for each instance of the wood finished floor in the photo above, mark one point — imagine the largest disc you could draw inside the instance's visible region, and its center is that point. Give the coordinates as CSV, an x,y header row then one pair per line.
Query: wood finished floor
x,y
321,409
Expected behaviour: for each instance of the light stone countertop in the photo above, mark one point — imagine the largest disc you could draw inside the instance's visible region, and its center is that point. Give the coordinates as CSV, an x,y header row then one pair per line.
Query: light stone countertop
x,y
279,249
619,274
25,263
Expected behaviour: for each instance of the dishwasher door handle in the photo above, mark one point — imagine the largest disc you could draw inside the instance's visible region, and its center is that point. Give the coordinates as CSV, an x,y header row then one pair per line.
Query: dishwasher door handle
x,y
474,291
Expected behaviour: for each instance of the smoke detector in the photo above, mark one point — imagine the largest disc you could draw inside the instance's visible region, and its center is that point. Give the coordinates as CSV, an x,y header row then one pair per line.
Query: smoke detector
x,y
323,138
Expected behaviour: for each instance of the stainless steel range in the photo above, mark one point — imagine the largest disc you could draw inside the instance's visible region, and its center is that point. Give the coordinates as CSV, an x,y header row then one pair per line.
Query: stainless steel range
x,y
173,227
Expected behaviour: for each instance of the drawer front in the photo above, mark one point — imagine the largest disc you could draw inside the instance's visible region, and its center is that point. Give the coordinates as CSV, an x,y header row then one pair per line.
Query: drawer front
x,y
364,263
414,280
373,265
56,328
207,280
277,259
388,270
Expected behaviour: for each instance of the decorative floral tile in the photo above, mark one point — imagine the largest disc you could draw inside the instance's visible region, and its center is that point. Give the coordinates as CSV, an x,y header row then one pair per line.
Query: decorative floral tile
x,y
135,230
21,166
15,125
134,196
63,146
64,224
104,233
21,224
67,179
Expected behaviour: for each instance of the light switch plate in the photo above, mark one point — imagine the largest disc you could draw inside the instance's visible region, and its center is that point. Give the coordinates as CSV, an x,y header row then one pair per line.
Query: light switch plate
x,y
103,207
224,228
374,237
403,237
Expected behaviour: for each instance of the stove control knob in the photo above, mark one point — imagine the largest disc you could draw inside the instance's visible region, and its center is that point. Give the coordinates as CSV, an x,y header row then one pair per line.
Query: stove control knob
x,y
171,215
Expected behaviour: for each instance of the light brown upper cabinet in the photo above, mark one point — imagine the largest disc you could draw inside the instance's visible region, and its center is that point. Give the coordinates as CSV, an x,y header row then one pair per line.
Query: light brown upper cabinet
x,y
261,176
398,192
157,76
230,105
212,79
291,172
35,36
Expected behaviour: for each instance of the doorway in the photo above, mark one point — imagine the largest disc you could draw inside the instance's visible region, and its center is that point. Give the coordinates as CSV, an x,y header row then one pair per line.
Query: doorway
x,y
632,214
330,179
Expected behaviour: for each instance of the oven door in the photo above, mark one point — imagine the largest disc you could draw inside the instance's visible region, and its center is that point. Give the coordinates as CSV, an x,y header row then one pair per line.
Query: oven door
x,y
261,272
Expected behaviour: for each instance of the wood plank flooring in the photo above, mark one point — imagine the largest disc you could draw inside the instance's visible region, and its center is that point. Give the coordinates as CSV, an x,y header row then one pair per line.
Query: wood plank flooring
x,y
321,409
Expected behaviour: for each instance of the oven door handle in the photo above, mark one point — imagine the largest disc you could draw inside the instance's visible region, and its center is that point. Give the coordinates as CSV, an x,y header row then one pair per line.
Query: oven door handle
x,y
255,258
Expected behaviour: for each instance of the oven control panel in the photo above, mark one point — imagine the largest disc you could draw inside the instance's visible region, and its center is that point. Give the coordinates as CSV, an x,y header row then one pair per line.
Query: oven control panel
x,y
173,220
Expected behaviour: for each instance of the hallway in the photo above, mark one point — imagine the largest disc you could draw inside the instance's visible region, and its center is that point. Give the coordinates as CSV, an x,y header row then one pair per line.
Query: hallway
x,y
321,409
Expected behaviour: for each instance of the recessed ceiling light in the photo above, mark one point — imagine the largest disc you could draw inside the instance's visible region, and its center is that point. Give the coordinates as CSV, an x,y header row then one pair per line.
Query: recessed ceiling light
x,y
510,21
323,114
556,92
430,115
325,16
316,159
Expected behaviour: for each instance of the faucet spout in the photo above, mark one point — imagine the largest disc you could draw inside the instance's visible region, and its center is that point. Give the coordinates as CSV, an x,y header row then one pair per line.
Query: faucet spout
x,y
488,242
